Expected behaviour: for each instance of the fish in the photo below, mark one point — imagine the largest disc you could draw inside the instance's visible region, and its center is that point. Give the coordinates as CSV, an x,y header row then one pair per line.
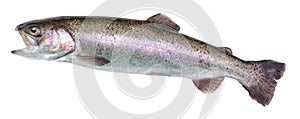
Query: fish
x,y
150,47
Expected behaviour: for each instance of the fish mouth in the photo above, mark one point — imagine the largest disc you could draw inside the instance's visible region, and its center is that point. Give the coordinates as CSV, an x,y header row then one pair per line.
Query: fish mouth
x,y
31,46
27,39
29,42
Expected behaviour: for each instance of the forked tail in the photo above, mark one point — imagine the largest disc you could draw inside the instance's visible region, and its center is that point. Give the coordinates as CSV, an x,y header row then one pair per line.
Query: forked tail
x,y
268,72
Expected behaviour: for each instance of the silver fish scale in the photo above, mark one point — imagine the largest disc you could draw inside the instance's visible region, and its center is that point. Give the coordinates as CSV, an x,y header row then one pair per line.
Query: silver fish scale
x,y
144,48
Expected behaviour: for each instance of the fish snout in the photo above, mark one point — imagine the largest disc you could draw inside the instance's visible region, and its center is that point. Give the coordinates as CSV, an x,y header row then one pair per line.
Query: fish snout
x,y
20,27
14,51
20,52
28,53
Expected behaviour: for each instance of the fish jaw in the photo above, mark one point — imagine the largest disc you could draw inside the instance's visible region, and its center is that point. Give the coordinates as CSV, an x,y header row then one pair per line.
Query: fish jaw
x,y
31,49
35,54
29,42
25,52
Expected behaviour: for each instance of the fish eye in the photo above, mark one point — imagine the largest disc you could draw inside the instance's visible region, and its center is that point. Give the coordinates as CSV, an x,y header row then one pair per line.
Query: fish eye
x,y
34,30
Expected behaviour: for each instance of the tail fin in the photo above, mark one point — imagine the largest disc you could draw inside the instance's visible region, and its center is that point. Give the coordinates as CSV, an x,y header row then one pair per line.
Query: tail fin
x,y
268,72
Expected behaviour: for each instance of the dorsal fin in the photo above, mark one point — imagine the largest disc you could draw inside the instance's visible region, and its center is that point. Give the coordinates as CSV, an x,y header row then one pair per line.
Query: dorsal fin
x,y
208,85
163,19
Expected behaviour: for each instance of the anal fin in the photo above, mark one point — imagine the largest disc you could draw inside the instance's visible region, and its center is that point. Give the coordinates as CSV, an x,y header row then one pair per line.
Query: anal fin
x,y
208,85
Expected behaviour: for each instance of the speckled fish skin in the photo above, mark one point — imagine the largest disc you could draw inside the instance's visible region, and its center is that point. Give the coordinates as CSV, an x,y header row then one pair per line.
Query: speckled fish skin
x,y
146,48
151,47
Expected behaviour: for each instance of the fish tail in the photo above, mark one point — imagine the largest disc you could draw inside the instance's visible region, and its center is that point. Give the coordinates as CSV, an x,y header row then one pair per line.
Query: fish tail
x,y
267,72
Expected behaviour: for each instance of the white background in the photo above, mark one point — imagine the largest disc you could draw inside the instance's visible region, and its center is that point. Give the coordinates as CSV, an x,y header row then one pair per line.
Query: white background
x,y
254,30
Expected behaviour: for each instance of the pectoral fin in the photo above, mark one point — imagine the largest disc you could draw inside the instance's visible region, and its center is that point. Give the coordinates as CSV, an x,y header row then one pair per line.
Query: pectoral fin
x,y
94,61
208,85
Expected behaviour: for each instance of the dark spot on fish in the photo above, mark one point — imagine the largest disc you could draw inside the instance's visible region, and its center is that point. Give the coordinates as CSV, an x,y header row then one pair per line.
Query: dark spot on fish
x,y
123,25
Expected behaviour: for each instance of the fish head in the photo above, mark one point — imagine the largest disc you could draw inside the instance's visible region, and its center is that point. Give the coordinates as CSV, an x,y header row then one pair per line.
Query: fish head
x,y
45,40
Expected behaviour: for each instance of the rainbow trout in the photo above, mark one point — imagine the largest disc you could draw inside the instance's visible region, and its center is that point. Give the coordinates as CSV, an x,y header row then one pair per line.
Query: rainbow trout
x,y
151,47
